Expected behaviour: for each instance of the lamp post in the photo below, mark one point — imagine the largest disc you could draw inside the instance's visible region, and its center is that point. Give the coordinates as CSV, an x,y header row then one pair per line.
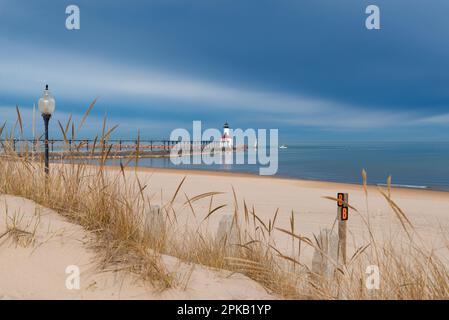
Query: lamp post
x,y
46,107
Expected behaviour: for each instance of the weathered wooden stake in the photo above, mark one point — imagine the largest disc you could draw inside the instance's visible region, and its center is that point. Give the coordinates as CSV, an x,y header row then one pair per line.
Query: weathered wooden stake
x,y
342,214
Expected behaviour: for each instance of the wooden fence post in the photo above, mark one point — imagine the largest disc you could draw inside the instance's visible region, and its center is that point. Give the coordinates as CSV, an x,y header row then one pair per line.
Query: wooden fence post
x,y
342,213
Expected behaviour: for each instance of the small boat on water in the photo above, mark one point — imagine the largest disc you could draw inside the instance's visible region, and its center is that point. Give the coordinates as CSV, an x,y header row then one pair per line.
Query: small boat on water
x,y
283,146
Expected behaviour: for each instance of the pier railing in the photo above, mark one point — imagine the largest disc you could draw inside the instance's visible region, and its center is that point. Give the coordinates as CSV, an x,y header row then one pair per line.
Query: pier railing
x,y
94,147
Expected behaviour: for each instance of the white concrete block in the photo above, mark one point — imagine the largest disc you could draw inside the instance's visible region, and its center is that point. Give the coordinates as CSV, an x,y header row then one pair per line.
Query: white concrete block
x,y
227,233
155,221
321,263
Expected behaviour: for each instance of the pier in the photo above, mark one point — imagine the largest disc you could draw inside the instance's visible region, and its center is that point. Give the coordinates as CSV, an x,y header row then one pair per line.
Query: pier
x,y
115,148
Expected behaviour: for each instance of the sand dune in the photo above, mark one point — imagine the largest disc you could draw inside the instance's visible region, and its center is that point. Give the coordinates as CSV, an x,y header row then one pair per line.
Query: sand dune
x,y
37,270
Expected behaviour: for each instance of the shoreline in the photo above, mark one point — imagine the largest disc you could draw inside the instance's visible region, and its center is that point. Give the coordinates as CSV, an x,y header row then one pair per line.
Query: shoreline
x,y
283,179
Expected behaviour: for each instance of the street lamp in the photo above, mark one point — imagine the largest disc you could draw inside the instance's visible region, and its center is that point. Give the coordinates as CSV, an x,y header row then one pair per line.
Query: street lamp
x,y
46,107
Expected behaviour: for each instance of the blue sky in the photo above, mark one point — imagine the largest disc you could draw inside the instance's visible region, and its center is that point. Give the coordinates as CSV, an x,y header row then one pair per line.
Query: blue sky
x,y
309,68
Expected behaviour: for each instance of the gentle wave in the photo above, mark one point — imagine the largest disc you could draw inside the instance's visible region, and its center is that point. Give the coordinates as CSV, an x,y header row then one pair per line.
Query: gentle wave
x,y
403,186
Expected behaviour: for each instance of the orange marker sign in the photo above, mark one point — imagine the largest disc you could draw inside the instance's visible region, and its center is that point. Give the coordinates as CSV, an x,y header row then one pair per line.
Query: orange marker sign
x,y
340,197
342,202
344,213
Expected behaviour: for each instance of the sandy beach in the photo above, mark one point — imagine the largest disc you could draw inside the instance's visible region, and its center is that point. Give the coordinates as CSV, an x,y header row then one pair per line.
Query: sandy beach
x,y
37,270
426,209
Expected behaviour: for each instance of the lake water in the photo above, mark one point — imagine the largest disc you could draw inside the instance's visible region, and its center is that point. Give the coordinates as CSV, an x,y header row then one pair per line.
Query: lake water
x,y
412,164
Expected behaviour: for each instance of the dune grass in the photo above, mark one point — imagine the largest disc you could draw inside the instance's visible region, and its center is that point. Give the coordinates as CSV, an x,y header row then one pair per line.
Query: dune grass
x,y
113,205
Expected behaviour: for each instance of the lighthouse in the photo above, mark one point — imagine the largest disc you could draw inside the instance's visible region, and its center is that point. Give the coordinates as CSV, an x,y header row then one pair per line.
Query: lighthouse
x,y
226,138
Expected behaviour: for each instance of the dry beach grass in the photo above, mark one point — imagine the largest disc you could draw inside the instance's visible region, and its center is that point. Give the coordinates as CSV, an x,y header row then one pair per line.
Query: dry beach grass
x,y
113,205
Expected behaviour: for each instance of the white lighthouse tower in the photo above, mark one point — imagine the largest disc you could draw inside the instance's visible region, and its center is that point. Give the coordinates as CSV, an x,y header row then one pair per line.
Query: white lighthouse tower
x,y
226,138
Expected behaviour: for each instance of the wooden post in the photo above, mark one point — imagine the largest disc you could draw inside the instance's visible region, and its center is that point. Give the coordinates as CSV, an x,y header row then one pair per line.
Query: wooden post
x,y
342,213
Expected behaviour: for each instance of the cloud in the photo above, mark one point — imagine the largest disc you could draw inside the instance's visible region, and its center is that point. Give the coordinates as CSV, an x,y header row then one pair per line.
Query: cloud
x,y
92,125
25,68
436,119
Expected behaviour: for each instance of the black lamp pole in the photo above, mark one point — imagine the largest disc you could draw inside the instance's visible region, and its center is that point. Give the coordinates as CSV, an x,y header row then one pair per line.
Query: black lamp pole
x,y
46,120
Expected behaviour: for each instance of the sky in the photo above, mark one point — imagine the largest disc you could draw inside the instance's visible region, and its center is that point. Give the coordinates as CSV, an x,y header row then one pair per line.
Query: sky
x,y
308,68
